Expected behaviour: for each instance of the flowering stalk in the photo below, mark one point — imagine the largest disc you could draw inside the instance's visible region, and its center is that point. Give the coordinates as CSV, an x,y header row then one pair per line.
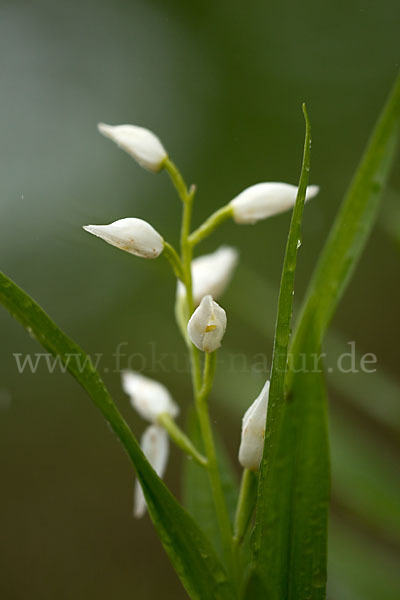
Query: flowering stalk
x,y
201,384
210,224
213,470
187,196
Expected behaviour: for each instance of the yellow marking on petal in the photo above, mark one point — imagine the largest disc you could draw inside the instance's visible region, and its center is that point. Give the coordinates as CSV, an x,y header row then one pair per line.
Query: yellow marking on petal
x,y
210,328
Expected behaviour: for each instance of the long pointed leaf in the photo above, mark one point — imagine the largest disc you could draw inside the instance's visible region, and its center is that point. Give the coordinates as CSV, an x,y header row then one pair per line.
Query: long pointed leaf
x,y
190,552
288,553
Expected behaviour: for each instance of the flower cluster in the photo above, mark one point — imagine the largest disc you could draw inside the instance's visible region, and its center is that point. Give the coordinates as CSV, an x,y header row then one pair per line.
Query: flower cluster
x,y
203,322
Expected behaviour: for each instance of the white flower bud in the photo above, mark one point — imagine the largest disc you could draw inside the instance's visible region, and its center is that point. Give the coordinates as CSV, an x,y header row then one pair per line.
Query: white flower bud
x,y
132,235
155,446
265,200
148,397
211,273
143,145
207,325
253,431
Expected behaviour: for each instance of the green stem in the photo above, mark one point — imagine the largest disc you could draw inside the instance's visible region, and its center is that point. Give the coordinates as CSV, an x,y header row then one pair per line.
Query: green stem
x,y
186,250
213,471
213,221
180,438
187,254
187,196
246,505
202,386
173,258
177,179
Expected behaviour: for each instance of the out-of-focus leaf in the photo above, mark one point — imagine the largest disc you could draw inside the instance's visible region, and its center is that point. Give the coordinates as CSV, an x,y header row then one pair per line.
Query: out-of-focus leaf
x,y
366,479
197,494
188,549
359,569
352,225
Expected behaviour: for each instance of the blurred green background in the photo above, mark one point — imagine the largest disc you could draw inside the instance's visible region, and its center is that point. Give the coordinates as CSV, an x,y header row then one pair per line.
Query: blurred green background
x,y
222,84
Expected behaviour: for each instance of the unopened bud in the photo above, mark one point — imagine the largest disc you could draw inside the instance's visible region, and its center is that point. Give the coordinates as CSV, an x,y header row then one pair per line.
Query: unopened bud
x,y
155,446
264,200
132,235
253,431
211,273
148,397
143,145
207,325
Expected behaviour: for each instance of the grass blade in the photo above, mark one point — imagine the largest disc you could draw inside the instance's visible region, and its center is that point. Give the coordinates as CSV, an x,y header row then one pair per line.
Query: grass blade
x,y
189,551
289,538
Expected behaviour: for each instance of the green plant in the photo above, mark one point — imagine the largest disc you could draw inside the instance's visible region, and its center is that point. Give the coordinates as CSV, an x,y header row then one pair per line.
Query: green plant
x,y
285,556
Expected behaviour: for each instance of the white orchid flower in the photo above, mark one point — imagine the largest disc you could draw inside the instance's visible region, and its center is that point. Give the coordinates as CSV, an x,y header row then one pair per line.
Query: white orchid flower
x,y
149,397
132,235
142,144
155,446
253,431
207,325
264,200
211,273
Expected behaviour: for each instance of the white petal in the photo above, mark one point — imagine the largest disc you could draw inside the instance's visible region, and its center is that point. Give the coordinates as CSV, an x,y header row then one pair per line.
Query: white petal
x,y
148,397
264,200
253,431
142,144
155,446
207,325
132,235
211,273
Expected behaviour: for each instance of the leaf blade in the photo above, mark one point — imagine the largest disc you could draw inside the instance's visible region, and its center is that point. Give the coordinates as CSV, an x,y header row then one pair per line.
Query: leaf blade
x,y
190,552
276,542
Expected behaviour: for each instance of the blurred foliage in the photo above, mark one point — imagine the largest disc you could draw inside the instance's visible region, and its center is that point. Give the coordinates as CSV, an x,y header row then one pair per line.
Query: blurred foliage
x,y
221,83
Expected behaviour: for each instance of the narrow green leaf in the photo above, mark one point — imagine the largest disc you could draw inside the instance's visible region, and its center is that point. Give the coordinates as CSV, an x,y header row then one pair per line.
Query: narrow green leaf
x,y
197,495
291,559
289,538
188,549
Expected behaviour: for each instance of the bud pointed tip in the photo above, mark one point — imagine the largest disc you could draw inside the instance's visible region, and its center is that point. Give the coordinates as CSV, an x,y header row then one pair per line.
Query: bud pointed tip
x,y
89,228
104,128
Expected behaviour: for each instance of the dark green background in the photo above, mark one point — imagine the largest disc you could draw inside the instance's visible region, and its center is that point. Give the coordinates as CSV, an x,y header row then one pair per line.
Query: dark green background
x,y
222,84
